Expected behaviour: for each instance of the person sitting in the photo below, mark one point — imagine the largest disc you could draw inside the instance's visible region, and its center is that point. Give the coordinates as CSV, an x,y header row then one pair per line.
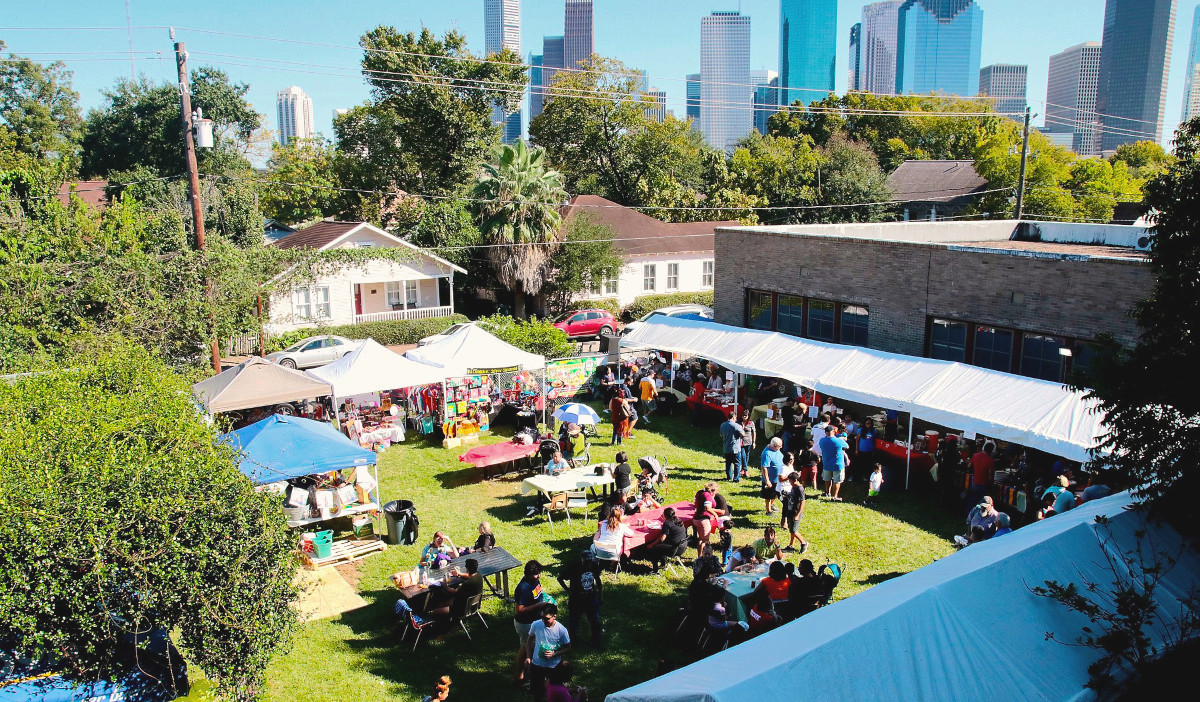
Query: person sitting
x,y
772,592
471,585
441,690
984,517
706,566
671,540
646,502
804,588
557,464
485,542
1047,509
608,543
440,551
719,621
743,556
1064,499
768,546
1002,525
558,688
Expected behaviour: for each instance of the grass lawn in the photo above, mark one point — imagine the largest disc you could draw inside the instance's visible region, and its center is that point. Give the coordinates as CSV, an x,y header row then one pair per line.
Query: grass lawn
x,y
358,657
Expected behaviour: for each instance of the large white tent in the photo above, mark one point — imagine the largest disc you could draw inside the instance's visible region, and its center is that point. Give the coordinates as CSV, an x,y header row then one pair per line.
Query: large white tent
x,y
373,367
471,350
1026,411
966,626
256,383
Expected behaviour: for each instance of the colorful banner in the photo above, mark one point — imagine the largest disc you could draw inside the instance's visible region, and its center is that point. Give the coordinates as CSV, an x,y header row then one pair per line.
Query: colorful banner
x,y
568,377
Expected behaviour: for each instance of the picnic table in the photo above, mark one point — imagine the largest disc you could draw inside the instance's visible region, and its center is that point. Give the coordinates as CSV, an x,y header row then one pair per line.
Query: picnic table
x,y
493,563
899,455
584,478
646,525
739,590
484,457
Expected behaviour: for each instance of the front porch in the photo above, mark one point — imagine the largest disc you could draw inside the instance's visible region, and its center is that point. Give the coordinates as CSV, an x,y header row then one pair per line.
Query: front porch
x,y
422,298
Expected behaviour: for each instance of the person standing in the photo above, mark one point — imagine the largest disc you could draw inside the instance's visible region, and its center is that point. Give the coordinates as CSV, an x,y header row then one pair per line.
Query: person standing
x,y
864,459
771,464
808,459
548,644
586,591
529,606
618,414
732,434
649,394
833,459
982,469
749,439
792,505
790,422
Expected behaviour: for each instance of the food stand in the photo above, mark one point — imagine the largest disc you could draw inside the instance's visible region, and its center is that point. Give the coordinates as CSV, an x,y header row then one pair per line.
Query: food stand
x,y
258,383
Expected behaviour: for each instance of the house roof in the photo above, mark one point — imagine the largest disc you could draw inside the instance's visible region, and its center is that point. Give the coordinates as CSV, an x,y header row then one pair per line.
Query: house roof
x,y
327,234
641,235
92,192
935,181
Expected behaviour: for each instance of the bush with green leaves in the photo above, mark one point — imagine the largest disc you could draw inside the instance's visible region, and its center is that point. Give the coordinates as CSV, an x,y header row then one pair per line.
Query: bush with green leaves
x,y
610,304
648,303
389,333
122,511
538,336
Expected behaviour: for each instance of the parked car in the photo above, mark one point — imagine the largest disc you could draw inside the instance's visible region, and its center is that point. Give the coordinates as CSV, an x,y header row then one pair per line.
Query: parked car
x,y
438,337
686,311
586,323
314,351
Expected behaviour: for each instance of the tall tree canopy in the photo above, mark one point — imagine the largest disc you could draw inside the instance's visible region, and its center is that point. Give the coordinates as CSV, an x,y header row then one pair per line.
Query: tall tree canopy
x,y
39,109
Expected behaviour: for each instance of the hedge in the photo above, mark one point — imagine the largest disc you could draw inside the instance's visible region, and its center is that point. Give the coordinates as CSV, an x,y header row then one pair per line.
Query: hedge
x,y
608,303
392,333
648,303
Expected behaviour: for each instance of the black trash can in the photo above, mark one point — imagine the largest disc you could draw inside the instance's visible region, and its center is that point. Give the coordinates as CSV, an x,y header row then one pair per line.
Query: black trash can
x,y
402,524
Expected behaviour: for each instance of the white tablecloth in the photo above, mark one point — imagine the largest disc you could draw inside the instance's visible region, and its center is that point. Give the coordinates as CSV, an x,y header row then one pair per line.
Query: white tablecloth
x,y
574,479
393,433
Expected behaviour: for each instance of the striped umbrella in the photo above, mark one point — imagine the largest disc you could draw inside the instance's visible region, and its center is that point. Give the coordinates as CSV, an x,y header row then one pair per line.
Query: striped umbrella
x,y
577,413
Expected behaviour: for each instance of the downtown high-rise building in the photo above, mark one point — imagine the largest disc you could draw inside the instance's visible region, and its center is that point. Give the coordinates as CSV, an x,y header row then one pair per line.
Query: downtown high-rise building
x,y
877,52
1132,93
855,69
1005,84
693,98
536,83
295,111
551,59
938,46
1191,86
766,97
579,40
502,30
657,109
1074,77
807,50
726,110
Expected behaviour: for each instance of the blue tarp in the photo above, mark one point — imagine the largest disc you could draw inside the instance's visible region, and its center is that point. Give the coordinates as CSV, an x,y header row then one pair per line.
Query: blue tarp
x,y
281,447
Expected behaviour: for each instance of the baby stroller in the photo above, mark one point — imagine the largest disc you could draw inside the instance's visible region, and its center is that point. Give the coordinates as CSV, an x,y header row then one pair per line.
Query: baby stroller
x,y
546,449
657,475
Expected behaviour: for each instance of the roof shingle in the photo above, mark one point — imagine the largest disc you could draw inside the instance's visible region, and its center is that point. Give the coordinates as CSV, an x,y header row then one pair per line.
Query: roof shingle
x,y
637,234
936,181
317,236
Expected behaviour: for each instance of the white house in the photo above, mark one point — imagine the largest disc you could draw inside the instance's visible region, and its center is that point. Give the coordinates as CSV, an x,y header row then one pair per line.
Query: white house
x,y
419,288
660,257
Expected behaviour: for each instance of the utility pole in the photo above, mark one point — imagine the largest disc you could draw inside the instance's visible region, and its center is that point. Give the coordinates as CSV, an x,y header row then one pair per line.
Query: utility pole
x,y
1024,159
189,141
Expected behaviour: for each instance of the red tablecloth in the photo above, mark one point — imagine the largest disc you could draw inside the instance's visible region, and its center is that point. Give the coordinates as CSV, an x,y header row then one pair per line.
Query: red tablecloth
x,y
684,511
494,454
920,460
693,400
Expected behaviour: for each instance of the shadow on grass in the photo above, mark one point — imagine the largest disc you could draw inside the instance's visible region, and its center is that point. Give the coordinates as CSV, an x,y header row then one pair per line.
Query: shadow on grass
x,y
451,479
878,578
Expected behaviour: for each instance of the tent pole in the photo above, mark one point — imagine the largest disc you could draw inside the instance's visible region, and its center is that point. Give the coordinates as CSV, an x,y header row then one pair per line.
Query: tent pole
x,y
908,453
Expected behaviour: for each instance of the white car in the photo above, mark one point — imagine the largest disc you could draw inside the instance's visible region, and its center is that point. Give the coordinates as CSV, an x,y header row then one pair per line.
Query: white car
x,y
690,311
314,351
438,337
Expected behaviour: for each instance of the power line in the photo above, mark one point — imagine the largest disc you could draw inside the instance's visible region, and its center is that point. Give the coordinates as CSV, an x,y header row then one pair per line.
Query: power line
x,y
1101,114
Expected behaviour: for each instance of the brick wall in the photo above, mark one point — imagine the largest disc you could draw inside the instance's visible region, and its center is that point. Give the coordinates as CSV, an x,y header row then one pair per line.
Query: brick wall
x,y
905,283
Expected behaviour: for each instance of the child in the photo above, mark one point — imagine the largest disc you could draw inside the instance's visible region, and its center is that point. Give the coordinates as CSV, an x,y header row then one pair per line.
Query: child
x,y
441,690
875,483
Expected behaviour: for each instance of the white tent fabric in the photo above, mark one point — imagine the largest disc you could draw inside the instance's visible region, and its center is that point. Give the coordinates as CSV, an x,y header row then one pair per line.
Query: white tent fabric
x,y
472,350
373,367
256,383
1030,412
963,627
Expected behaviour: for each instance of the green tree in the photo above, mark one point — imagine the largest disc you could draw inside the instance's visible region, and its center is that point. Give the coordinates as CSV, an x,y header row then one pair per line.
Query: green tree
x,y
849,173
533,335
39,109
134,519
587,256
301,182
1145,159
998,161
519,200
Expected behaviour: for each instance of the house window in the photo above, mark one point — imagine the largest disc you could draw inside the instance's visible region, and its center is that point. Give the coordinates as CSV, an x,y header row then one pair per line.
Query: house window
x,y
854,325
791,315
672,276
649,276
948,340
594,285
993,348
820,320
321,303
393,293
410,293
312,303
706,280
610,285
1040,357
302,303
758,309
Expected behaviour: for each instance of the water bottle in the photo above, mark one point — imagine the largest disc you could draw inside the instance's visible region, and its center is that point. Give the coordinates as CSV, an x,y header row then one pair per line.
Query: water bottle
x,y
424,577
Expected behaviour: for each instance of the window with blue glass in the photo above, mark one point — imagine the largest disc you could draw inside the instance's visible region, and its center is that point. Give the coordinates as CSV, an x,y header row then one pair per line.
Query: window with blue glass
x,y
853,329
759,309
1042,357
993,348
791,315
948,340
820,319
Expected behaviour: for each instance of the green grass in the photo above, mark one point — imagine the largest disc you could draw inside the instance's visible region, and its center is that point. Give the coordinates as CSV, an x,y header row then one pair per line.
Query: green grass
x,y
357,656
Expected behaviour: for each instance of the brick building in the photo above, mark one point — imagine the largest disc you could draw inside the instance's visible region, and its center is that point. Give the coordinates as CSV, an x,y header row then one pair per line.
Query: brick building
x,y
1022,297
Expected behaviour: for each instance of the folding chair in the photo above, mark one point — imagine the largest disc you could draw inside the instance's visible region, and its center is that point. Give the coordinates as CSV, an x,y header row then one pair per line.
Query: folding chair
x,y
470,609
676,559
558,503
615,561
576,498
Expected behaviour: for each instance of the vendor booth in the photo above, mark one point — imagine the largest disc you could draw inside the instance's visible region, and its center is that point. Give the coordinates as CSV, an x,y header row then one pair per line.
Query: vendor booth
x,y
320,476
257,383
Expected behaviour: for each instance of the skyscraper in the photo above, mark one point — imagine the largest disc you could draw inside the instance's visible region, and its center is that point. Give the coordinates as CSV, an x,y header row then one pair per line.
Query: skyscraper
x,y
1132,92
295,110
1191,88
1071,96
877,60
807,49
1005,82
726,114
502,30
855,56
579,41
536,85
766,97
938,43
552,59
657,110
693,98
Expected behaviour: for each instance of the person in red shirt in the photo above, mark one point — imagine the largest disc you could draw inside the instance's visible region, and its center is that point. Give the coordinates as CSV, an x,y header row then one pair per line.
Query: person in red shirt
x,y
982,469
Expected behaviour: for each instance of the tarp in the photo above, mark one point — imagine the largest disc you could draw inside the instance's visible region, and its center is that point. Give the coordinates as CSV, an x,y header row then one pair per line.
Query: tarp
x,y
471,350
964,627
281,447
373,367
256,383
1026,411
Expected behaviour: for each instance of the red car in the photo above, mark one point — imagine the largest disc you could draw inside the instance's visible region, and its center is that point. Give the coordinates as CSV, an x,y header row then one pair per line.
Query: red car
x,y
581,323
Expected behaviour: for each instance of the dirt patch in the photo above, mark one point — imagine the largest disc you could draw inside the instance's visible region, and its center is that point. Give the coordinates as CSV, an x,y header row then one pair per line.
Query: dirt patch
x,y
350,573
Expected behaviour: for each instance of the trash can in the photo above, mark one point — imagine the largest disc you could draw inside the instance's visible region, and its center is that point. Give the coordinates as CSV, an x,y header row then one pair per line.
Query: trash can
x,y
402,523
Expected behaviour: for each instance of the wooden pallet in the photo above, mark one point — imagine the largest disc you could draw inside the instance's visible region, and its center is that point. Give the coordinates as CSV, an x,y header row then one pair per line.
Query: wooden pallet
x,y
345,551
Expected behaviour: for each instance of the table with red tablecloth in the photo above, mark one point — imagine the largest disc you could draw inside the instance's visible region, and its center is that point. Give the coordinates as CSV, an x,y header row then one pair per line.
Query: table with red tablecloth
x,y
899,454
496,454
646,525
698,401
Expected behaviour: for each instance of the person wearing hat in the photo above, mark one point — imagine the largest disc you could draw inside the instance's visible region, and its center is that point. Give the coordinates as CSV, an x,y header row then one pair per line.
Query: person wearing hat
x,y
575,444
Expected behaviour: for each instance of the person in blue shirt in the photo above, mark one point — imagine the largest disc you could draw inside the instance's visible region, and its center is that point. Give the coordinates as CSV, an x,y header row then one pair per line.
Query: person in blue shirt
x,y
1003,525
865,458
771,463
732,434
833,459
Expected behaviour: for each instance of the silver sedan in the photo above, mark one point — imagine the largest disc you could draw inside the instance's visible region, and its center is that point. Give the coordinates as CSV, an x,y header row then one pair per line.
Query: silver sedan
x,y
314,351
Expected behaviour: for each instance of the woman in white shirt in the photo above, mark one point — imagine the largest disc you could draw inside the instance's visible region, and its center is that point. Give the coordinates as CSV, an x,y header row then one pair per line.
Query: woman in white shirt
x,y
609,541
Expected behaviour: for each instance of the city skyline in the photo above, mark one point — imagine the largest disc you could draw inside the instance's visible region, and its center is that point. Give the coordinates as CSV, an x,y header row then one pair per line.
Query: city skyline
x,y
294,114
1135,50
502,30
726,112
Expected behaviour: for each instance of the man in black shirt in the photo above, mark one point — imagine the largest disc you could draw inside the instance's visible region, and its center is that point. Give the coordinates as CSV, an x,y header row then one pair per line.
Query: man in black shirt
x,y
471,586
792,506
670,541
622,474
582,581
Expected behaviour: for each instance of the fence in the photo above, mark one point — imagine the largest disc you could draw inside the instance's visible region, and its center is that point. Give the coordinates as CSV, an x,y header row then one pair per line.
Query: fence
x,y
244,344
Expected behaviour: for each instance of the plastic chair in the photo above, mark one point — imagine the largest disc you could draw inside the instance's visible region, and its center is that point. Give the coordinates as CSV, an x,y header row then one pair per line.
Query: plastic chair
x,y
577,498
470,609
607,559
417,624
676,559
558,503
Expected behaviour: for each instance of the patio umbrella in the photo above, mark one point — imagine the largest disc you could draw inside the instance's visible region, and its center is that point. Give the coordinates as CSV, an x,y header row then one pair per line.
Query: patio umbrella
x,y
577,413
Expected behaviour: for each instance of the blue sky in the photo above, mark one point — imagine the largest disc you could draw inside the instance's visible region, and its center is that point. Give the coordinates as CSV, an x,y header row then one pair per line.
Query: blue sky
x,y
660,36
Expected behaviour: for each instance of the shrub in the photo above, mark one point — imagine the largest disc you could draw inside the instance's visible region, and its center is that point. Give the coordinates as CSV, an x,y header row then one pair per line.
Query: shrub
x,y
648,303
391,333
534,335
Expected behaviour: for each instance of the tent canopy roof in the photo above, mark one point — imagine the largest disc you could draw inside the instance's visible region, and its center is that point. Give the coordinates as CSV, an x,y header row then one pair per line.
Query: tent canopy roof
x,y
279,447
256,383
373,367
966,623
470,349
1030,412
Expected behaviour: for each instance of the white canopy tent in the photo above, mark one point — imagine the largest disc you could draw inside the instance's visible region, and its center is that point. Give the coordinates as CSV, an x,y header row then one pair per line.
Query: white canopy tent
x,y
256,383
373,367
470,350
962,627
1030,412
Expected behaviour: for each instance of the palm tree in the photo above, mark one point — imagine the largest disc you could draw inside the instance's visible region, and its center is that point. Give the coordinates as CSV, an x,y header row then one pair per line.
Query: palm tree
x,y
518,199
